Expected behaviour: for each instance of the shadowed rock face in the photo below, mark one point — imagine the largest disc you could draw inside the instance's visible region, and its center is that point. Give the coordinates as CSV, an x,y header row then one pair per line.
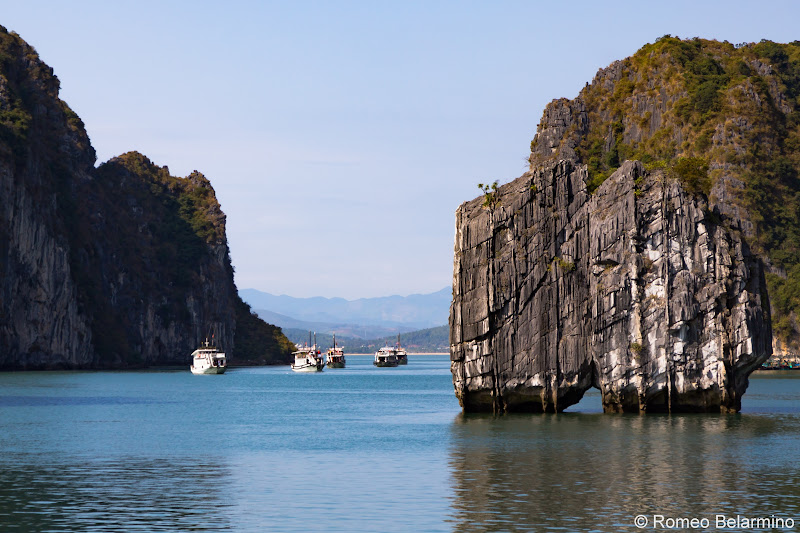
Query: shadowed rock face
x,y
84,278
112,267
637,290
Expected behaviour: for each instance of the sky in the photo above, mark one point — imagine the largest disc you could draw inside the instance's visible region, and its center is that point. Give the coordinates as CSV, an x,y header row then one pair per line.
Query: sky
x,y
340,137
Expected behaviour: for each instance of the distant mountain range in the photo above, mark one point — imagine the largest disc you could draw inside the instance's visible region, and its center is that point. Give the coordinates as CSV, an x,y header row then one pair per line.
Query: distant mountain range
x,y
394,313
431,340
359,331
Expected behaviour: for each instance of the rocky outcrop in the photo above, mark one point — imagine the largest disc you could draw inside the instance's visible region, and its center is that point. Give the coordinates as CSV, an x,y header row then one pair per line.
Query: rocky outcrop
x,y
638,290
42,151
118,266
155,285
650,285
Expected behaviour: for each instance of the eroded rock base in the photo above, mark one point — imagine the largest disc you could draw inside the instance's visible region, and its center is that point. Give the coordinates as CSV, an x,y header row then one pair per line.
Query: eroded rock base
x,y
638,290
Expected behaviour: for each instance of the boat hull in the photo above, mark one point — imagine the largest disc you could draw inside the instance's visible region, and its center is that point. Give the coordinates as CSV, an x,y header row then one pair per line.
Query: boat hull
x,y
336,364
208,370
402,360
307,368
383,364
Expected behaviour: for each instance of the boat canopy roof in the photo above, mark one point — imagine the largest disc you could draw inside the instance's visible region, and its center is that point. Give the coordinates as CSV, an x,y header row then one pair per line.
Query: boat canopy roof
x,y
208,351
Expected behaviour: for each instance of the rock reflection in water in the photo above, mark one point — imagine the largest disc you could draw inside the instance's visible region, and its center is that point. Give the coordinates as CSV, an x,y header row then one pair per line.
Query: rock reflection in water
x,y
596,472
124,494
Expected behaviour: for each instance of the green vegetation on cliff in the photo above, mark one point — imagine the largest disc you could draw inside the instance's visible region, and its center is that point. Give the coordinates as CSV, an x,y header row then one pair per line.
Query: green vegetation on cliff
x,y
168,231
258,342
722,118
158,233
26,82
14,118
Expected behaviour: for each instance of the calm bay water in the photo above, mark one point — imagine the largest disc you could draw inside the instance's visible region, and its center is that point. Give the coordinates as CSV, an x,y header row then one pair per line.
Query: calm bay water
x,y
368,449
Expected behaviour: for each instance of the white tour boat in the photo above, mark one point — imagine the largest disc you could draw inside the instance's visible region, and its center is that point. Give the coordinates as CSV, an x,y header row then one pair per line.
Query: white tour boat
x,y
386,356
207,359
307,359
335,356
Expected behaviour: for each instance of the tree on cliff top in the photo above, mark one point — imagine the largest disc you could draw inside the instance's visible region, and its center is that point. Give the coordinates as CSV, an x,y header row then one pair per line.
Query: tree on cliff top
x,y
258,342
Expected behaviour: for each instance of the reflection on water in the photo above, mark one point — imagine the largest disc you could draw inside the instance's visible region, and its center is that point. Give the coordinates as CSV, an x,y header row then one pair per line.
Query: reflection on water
x,y
253,450
125,494
366,449
597,472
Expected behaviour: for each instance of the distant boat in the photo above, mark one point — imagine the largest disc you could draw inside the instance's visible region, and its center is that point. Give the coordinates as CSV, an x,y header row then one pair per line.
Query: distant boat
x,y
386,356
207,359
335,356
307,358
400,352
782,361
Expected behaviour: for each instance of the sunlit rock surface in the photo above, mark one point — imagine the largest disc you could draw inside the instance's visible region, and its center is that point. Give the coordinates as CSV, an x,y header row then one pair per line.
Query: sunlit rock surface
x,y
638,290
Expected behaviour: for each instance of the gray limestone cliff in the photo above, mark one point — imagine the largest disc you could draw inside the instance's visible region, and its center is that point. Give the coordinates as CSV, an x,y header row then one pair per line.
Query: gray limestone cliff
x,y
118,266
638,289
650,248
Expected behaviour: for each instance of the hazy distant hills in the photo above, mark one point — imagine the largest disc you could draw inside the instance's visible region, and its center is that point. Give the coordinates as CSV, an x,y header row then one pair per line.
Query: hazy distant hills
x,y
362,325
397,313
359,331
431,340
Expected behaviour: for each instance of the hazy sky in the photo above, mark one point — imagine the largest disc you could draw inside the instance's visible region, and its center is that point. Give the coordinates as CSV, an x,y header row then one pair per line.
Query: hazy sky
x,y
340,137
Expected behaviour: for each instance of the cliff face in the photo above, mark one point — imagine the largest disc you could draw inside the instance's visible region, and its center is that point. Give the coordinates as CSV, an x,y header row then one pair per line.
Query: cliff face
x,y
110,267
42,151
636,290
647,280
150,256
723,119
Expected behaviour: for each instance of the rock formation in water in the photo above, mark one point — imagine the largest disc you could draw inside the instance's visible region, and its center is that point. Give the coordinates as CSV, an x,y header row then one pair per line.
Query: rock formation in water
x,y
110,267
651,279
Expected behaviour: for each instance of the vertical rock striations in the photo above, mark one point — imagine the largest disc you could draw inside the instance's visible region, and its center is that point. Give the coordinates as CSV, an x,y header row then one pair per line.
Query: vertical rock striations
x,y
43,150
637,289
649,282
723,118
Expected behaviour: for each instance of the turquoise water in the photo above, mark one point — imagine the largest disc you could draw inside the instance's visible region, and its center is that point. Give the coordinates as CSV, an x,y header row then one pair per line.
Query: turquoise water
x,y
368,449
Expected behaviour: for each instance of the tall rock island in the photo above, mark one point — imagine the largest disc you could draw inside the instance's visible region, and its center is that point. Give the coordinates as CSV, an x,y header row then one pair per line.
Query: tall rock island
x,y
117,266
651,246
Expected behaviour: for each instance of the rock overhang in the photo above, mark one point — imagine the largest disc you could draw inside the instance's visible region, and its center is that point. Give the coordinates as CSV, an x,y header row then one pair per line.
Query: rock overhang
x,y
635,290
